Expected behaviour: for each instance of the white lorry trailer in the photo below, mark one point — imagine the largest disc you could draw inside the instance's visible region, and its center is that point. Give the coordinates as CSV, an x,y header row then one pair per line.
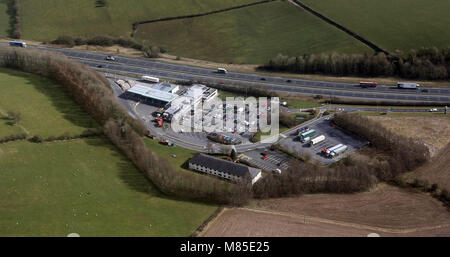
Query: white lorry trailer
x,y
328,151
338,151
150,79
406,85
317,140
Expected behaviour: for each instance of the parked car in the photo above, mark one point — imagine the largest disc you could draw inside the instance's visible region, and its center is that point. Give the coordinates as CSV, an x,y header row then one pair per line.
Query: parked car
x,y
276,171
304,129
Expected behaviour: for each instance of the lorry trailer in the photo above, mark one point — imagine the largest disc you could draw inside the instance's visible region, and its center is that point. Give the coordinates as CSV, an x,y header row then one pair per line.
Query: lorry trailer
x,y
338,151
150,79
305,140
317,140
328,151
306,134
406,85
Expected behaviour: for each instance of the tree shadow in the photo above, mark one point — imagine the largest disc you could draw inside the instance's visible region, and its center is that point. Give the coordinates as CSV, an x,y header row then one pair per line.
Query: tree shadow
x,y
136,179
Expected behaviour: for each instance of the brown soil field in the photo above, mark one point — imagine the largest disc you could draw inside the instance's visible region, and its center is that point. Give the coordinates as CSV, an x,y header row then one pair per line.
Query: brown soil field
x,y
437,171
433,131
386,210
258,223
385,206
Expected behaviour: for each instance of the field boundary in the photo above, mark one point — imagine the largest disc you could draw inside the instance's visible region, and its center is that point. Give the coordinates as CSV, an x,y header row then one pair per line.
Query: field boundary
x,y
339,26
206,224
136,24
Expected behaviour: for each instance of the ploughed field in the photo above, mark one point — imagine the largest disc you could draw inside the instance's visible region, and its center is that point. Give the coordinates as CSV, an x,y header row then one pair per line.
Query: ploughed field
x,y
386,210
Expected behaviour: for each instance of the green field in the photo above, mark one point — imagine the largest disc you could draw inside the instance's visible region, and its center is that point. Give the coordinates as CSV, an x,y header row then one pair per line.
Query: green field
x,y
166,152
48,19
403,114
301,104
86,187
250,35
4,19
83,186
399,24
45,108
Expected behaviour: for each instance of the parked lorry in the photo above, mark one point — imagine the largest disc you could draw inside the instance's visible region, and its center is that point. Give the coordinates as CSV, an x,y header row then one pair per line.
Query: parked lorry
x,y
338,151
328,151
305,140
406,85
317,140
306,134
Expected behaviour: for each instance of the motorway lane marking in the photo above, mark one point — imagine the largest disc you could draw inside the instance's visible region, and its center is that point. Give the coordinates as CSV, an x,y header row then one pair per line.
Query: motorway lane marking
x,y
341,91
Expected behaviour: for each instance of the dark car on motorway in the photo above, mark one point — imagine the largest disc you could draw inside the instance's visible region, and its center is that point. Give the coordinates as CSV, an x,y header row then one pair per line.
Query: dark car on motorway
x,y
263,78
288,81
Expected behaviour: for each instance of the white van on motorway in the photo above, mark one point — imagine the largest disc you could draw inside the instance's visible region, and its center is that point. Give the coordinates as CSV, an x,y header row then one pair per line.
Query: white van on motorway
x,y
150,79
222,70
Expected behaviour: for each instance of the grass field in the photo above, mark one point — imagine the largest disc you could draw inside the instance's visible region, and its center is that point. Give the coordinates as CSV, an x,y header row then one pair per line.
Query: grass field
x,y
400,24
249,35
434,131
163,151
45,107
4,19
301,104
47,19
86,187
404,114
83,186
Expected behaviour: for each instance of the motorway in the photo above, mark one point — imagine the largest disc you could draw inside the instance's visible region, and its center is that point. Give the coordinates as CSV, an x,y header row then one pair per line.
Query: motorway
x,y
142,66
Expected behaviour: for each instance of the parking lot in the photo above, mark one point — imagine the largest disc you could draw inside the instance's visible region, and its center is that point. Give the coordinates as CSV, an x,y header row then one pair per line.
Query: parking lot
x,y
273,161
333,136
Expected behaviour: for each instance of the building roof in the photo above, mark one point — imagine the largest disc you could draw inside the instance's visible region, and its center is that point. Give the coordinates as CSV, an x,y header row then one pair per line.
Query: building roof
x,y
224,166
153,93
195,92
164,86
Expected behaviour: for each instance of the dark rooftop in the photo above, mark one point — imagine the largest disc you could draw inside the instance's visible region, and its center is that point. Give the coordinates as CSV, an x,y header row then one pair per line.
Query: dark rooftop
x,y
224,166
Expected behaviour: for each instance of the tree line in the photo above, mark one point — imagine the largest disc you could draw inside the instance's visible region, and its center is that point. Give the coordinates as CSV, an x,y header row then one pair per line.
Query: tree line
x,y
71,41
93,92
15,30
306,178
424,63
402,154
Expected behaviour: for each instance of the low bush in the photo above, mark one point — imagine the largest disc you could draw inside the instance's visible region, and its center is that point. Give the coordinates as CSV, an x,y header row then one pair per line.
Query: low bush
x,y
14,137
